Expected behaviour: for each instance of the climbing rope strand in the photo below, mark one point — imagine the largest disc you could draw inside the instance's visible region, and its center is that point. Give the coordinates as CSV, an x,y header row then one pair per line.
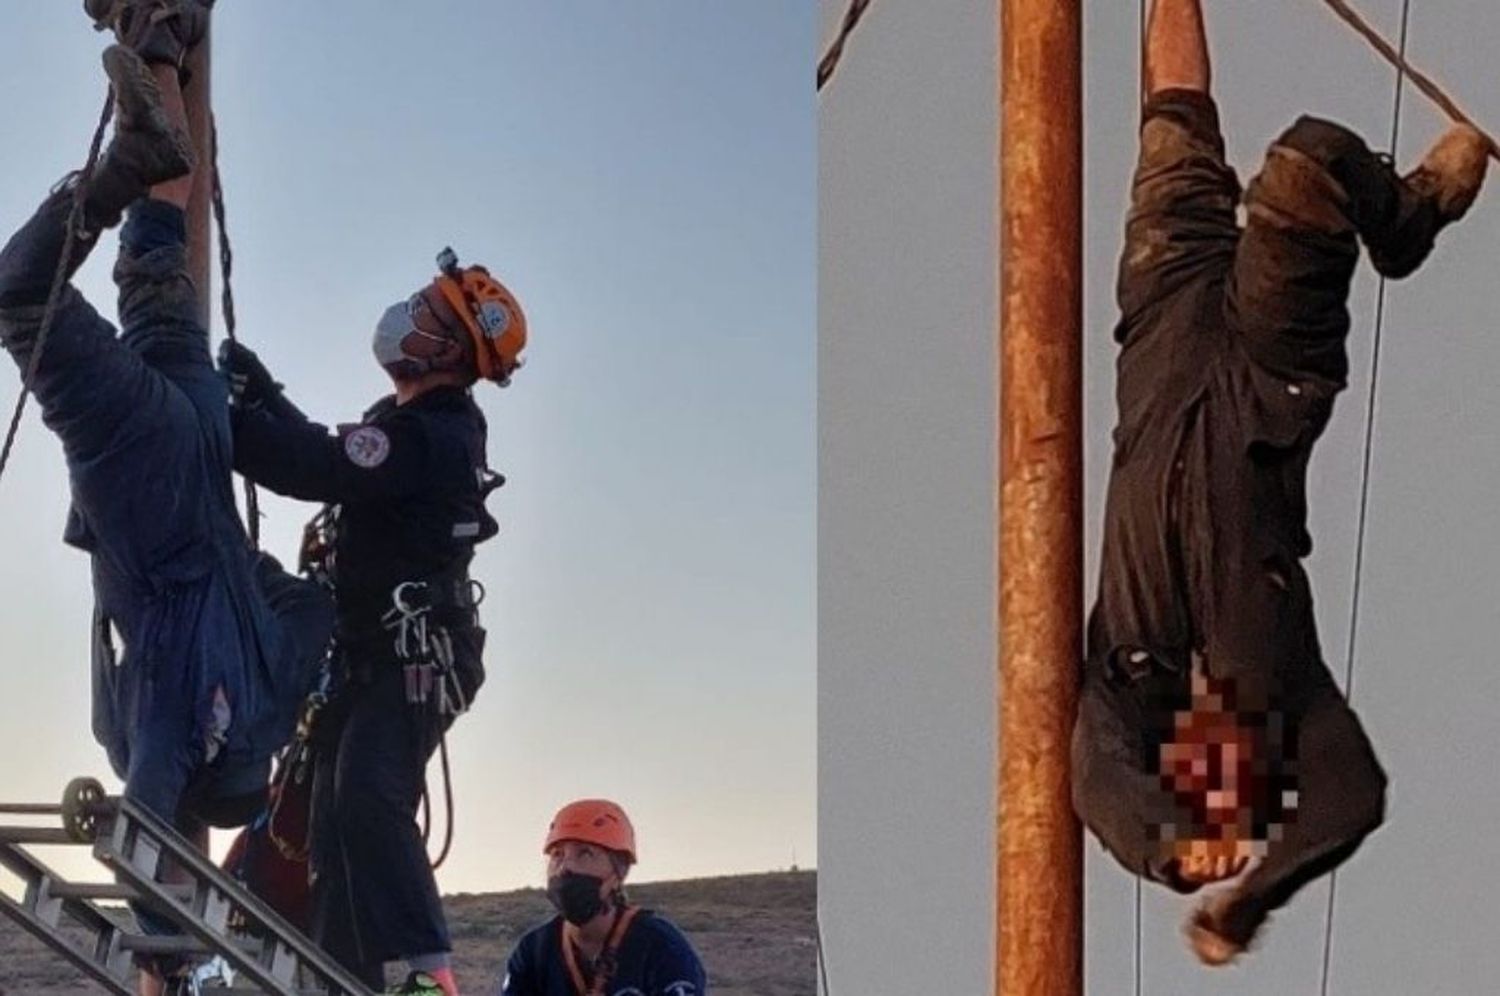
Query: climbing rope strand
x,y
1364,475
448,804
1397,58
70,239
226,300
835,51
59,277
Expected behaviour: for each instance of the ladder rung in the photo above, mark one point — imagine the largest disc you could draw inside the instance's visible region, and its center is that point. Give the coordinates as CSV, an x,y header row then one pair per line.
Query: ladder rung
x,y
92,890
153,944
30,809
36,835
110,890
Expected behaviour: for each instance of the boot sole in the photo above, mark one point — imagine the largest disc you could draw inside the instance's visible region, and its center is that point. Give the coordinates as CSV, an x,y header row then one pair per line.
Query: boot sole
x,y
141,112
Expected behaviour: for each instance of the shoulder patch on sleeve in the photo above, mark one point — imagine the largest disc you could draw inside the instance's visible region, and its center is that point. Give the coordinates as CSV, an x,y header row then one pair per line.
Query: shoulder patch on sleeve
x,y
367,447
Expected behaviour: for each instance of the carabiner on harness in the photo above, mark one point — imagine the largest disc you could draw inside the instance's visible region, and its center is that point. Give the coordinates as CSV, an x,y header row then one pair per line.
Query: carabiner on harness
x,y
425,651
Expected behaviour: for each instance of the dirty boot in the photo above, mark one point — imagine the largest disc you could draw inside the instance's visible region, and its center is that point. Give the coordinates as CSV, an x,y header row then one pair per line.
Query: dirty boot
x,y
1437,193
161,31
146,149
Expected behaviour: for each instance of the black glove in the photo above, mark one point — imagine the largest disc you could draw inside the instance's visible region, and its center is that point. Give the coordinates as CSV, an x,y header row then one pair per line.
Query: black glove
x,y
250,383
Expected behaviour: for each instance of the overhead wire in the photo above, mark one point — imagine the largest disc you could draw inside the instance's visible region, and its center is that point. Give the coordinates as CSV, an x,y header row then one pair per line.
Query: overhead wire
x,y
1364,475
1138,964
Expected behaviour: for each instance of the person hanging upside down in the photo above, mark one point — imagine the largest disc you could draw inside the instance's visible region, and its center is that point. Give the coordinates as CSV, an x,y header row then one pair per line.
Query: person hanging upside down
x,y
406,490
1212,743
598,943
218,646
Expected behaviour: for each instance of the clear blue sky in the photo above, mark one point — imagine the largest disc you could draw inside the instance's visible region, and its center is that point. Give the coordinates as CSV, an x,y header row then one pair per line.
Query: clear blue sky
x,y
642,176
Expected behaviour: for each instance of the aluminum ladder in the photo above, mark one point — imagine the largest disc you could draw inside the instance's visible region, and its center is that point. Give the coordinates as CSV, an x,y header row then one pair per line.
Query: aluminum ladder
x,y
221,923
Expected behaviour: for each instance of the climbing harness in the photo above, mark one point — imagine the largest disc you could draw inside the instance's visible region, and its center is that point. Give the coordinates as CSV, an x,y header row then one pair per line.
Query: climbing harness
x,y
608,962
835,52
424,651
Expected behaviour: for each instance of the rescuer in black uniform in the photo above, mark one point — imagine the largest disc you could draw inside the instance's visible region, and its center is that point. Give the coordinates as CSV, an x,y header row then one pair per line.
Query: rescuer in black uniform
x,y
405,490
1211,741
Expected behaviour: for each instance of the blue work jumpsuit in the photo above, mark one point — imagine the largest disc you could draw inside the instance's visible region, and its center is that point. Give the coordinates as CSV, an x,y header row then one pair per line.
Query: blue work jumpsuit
x,y
217,646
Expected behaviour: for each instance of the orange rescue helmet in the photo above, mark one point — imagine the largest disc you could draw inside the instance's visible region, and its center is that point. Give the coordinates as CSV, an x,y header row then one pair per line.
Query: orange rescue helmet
x,y
592,821
489,311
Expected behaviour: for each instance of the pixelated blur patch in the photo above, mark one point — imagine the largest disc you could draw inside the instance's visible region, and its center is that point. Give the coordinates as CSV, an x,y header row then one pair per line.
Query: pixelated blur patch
x,y
1228,764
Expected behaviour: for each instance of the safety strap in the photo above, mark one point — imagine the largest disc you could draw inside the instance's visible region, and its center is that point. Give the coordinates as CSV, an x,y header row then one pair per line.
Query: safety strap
x,y
608,962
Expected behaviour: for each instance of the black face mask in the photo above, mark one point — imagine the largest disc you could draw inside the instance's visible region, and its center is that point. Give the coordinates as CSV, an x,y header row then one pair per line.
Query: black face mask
x,y
576,896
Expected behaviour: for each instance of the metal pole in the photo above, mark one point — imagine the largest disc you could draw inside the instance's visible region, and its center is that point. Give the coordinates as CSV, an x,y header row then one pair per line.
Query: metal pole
x,y
196,100
1039,942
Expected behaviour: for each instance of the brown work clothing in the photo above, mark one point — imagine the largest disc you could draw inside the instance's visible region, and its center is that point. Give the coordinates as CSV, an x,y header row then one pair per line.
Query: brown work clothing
x,y
1232,350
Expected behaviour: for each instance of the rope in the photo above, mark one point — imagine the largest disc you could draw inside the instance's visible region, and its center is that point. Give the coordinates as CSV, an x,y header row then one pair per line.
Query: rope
x,y
59,277
1404,68
830,60
75,219
448,804
226,265
1364,475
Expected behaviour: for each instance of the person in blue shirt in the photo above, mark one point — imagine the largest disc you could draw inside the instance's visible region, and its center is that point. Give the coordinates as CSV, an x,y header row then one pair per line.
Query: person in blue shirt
x,y
405,491
599,944
203,649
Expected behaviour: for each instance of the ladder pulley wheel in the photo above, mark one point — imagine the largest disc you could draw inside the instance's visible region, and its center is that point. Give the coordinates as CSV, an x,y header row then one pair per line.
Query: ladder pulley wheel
x,y
82,804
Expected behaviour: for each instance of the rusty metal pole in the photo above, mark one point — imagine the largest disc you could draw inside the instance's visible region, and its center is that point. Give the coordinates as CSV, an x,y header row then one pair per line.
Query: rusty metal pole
x,y
196,100
1039,916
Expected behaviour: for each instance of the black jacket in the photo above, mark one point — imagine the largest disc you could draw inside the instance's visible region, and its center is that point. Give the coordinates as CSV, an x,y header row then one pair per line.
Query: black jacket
x,y
409,481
